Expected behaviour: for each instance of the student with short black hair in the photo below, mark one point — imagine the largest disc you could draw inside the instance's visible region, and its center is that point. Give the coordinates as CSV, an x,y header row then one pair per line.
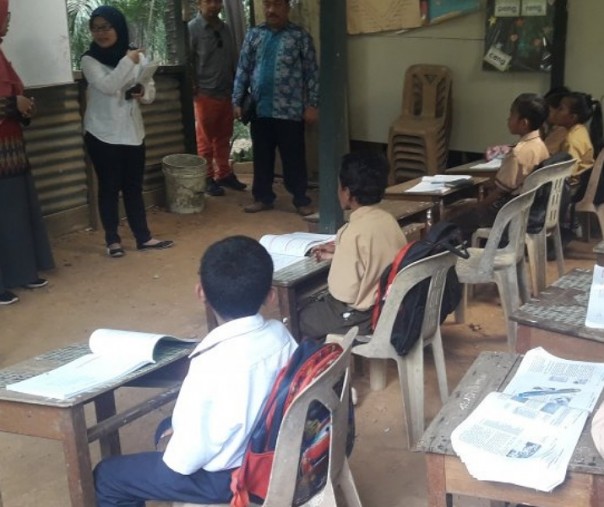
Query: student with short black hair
x,y
528,112
230,377
363,248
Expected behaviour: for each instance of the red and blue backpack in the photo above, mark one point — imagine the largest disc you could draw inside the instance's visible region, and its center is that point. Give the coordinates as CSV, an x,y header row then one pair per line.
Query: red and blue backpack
x,y
251,480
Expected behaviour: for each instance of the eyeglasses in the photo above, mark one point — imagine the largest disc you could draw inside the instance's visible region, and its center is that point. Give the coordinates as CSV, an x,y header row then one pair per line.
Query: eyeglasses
x,y
101,28
218,38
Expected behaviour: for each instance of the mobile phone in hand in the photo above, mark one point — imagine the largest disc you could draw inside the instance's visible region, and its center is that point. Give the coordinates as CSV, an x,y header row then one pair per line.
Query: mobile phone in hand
x,y
137,88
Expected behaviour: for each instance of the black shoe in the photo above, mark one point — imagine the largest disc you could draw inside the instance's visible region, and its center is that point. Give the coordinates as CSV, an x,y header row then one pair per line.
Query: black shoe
x,y
36,284
231,181
8,298
160,245
213,189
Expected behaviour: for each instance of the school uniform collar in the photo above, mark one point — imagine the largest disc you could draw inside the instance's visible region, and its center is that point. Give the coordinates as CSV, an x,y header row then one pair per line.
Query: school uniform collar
x,y
362,211
530,136
204,23
229,330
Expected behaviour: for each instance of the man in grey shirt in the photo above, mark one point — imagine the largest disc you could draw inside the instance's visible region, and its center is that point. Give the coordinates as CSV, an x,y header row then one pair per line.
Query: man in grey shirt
x,y
214,62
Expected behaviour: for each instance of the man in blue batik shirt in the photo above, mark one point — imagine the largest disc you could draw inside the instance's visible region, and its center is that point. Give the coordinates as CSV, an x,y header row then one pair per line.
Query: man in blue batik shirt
x,y
278,66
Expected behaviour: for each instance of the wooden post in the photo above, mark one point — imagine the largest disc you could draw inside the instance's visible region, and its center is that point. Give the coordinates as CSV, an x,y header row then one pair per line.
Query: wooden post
x,y
333,125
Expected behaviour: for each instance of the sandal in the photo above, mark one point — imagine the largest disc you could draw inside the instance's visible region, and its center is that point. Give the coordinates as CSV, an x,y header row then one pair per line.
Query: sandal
x,y
115,250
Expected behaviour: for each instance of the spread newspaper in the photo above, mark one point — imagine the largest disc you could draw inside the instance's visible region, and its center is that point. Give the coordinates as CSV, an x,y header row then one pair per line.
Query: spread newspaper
x,y
527,434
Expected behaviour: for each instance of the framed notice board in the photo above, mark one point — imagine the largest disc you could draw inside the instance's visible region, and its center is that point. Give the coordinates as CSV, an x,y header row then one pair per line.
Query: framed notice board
x,y
519,35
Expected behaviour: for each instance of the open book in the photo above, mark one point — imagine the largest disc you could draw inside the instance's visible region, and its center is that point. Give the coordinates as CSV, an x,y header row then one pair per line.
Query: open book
x,y
526,435
113,354
286,249
440,183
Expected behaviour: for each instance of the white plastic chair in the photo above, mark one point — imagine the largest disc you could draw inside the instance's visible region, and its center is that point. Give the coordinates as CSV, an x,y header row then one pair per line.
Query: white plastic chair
x,y
504,266
411,366
284,472
586,204
536,244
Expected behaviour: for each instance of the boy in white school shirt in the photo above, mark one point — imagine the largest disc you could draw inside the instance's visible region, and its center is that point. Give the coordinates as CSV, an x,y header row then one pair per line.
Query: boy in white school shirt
x,y
230,376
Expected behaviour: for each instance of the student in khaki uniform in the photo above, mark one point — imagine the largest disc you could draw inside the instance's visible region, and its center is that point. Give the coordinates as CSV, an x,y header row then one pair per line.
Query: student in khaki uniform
x,y
363,248
527,114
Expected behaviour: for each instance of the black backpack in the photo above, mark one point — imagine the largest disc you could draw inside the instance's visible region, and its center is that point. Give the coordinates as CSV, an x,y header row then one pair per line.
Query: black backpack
x,y
407,326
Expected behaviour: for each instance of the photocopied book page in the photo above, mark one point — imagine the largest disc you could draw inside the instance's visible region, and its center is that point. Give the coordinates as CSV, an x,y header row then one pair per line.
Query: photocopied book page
x,y
438,183
114,353
286,249
147,70
526,435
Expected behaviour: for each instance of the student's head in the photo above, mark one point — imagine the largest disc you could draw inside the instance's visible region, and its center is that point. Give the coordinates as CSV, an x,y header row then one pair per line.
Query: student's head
x,y
527,113
573,108
363,178
210,9
553,98
276,13
236,274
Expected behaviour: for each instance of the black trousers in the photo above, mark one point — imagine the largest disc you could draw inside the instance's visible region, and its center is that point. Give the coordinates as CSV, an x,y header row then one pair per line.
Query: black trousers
x,y
119,168
268,134
323,314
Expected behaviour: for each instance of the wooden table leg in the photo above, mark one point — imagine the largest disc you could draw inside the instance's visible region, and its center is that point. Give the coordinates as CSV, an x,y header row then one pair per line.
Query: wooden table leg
x,y
77,457
437,485
105,408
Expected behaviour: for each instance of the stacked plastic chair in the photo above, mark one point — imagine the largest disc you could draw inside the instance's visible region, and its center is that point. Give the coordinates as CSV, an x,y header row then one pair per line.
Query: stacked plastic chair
x,y
418,141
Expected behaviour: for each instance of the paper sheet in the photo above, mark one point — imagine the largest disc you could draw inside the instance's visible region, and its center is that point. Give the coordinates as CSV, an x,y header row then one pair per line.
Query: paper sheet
x,y
491,164
595,307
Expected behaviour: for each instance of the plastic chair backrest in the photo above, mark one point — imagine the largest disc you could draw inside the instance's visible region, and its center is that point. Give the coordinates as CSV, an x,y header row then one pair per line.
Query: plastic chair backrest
x,y
434,267
554,174
332,389
515,214
592,185
427,91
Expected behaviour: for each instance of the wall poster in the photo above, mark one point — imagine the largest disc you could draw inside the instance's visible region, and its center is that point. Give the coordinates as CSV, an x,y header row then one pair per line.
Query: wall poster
x,y
519,35
372,16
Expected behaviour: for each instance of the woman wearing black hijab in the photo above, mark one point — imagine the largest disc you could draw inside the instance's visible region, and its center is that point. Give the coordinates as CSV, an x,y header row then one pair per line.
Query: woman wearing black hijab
x,y
114,131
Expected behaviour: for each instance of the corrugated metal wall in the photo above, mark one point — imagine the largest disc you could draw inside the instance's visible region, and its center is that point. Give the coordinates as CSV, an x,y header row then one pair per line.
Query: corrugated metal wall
x,y
55,147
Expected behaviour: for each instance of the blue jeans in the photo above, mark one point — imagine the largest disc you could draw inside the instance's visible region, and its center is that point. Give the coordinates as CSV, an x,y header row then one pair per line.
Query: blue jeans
x,y
127,481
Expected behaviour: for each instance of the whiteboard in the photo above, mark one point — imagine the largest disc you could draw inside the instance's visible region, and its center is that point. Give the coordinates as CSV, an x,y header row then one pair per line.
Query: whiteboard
x,y
37,42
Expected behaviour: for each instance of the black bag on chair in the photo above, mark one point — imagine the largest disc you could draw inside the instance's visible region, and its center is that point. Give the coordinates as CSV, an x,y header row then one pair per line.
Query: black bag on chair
x,y
248,108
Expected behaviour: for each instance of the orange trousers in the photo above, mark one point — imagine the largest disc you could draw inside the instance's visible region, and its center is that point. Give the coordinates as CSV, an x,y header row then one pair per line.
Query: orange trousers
x,y
213,132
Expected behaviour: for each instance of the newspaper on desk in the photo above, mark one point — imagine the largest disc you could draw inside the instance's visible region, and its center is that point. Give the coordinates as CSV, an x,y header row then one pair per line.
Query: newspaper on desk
x,y
438,183
526,435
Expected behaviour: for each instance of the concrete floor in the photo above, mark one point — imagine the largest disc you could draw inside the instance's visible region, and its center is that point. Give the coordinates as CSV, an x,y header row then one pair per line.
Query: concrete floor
x,y
153,291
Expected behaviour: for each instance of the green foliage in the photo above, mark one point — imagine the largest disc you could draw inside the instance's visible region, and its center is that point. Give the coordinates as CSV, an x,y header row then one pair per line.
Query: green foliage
x,y
145,20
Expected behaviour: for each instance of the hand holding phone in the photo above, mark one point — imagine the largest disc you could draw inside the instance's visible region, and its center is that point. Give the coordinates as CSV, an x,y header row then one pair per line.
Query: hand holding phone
x,y
134,90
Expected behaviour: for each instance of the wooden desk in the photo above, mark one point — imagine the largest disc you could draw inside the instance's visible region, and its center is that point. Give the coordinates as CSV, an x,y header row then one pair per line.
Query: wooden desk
x,y
468,169
404,212
292,284
439,199
583,487
64,420
556,320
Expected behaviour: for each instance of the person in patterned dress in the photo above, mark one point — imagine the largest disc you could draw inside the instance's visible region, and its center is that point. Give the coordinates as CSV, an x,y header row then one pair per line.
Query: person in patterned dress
x,y
279,67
